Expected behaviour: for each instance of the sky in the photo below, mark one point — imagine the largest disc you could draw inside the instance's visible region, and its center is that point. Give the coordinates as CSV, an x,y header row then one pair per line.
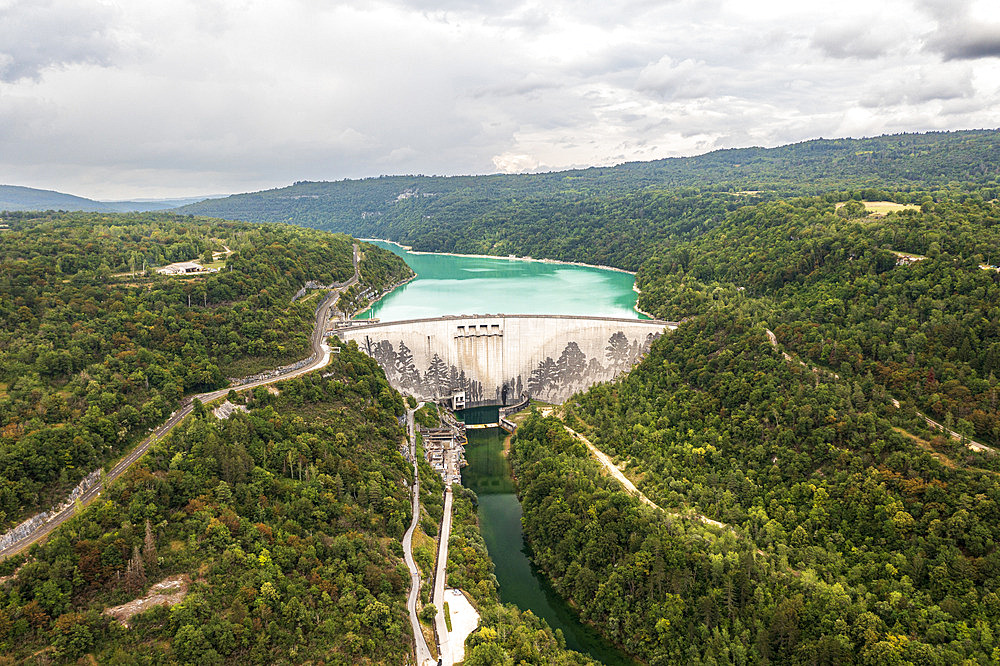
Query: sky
x,y
137,98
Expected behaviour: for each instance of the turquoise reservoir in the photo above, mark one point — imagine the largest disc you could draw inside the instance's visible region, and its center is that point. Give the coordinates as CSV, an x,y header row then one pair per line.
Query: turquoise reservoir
x,y
454,285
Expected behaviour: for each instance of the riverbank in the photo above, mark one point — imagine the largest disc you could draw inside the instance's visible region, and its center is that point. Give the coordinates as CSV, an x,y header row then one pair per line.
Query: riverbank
x,y
509,257
384,294
519,581
638,291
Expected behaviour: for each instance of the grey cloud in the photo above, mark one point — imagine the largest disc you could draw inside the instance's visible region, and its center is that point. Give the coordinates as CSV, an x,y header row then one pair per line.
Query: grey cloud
x,y
266,93
952,83
944,10
675,80
967,41
528,85
959,35
36,34
849,41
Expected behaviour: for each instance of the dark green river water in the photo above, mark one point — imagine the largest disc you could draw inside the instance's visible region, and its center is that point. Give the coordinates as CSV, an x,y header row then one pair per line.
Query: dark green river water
x,y
488,475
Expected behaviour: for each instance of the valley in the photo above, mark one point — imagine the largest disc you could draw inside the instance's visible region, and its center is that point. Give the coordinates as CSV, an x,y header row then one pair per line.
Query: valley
x,y
801,468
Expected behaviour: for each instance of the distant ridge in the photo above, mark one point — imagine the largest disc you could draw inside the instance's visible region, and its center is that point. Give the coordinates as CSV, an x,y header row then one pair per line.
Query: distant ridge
x,y
373,206
16,197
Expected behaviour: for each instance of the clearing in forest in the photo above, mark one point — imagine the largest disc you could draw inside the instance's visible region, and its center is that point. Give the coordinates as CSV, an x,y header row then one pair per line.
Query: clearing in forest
x,y
168,592
881,208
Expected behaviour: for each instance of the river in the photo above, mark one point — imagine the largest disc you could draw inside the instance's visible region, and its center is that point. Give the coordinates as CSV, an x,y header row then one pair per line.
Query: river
x,y
450,284
521,584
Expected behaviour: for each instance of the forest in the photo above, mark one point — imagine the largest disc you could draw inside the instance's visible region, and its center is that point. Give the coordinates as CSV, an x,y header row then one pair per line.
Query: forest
x,y
852,532
613,215
285,522
833,296
94,351
844,538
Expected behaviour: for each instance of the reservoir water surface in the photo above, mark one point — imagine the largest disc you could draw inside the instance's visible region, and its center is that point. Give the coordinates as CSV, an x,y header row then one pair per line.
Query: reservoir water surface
x,y
448,285
454,285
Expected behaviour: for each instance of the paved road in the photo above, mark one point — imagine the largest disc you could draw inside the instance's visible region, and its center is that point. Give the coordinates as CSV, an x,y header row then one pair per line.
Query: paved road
x,y
423,652
321,354
444,638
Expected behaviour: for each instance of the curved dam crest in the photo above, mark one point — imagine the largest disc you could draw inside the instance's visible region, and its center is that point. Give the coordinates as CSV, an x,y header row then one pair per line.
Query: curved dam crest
x,y
495,358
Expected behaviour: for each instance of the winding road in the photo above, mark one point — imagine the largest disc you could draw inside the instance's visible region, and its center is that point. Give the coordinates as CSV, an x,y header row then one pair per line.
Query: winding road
x,y
423,652
320,356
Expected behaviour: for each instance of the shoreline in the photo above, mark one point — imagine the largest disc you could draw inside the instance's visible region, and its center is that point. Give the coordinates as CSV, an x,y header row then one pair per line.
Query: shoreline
x,y
383,295
409,248
636,306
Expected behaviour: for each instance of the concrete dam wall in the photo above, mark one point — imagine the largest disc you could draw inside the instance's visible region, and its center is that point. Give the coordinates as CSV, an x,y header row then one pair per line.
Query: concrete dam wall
x,y
495,358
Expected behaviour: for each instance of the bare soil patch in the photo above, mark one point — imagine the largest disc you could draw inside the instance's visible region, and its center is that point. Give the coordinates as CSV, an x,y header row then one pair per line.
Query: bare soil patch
x,y
168,592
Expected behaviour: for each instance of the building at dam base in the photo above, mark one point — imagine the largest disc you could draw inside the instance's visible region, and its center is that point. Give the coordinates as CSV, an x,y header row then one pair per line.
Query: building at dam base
x,y
493,359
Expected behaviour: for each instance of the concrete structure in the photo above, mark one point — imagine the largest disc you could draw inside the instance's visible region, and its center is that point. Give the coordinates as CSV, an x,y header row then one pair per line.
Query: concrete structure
x,y
495,359
445,651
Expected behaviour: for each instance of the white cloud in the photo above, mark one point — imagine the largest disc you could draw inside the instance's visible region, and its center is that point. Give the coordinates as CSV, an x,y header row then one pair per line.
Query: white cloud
x,y
147,98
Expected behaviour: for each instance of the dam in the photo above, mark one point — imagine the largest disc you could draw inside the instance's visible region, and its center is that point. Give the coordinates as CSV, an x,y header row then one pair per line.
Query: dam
x,y
579,325
493,359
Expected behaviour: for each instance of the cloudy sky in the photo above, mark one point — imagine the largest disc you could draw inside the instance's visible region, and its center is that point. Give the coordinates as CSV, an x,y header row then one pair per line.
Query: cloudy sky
x,y
141,98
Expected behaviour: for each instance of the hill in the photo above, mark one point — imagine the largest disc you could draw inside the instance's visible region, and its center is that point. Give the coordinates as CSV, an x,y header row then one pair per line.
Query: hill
x,y
405,205
93,351
16,197
791,408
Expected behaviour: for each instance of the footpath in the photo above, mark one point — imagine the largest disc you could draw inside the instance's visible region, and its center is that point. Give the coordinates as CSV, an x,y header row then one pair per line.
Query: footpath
x,y
934,425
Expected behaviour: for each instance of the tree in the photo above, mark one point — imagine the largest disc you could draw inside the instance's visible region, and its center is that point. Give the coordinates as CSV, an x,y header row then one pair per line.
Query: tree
x,y
384,353
135,572
149,546
571,365
428,612
489,654
542,377
406,370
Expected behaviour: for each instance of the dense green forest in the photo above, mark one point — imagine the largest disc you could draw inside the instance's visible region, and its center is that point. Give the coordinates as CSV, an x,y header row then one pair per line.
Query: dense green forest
x,y
93,352
610,215
854,534
848,541
928,332
850,531
286,521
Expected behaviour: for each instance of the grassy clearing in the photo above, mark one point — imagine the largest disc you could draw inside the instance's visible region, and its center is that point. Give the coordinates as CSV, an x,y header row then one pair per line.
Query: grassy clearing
x,y
880,208
311,296
545,408
883,207
3,390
